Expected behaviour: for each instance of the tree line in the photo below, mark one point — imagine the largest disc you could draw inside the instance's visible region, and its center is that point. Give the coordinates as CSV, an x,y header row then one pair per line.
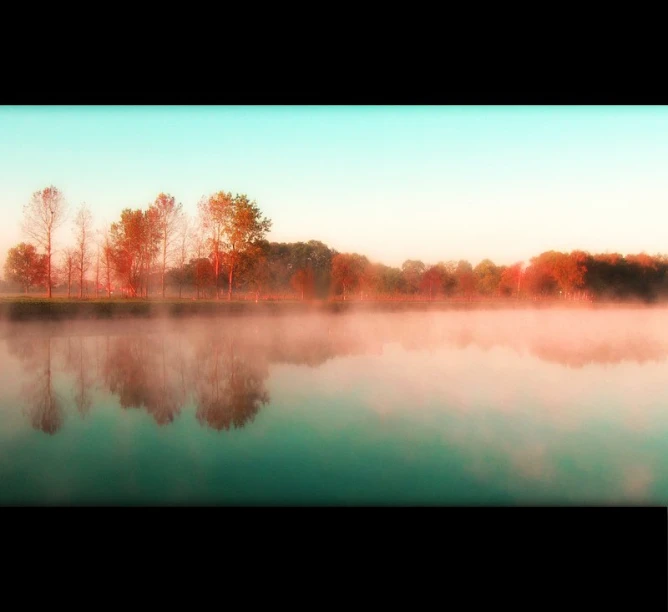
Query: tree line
x,y
160,251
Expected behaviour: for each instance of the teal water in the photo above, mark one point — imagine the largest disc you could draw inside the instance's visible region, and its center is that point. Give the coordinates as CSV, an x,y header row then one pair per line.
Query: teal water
x,y
515,408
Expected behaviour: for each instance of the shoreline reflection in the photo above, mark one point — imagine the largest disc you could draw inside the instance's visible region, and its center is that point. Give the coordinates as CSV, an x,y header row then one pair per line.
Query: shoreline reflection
x,y
222,367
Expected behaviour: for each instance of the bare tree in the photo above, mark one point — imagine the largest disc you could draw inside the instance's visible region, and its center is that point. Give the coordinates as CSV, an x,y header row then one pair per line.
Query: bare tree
x,y
150,247
69,264
167,215
43,215
97,272
184,238
83,224
106,250
199,241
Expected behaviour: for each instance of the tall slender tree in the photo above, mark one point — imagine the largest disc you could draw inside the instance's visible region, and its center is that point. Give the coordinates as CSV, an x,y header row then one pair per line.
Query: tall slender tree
x,y
106,253
129,251
97,271
43,215
83,228
151,237
214,212
69,264
168,217
184,237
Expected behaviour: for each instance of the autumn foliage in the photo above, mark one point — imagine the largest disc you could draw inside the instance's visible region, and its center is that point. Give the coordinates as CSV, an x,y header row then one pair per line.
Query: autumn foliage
x,y
158,250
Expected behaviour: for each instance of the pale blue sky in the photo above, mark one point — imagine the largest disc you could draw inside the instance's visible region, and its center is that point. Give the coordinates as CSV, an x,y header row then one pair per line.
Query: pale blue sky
x,y
430,183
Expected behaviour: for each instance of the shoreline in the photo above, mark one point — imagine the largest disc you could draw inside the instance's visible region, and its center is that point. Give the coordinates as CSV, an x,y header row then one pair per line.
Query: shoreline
x,y
18,309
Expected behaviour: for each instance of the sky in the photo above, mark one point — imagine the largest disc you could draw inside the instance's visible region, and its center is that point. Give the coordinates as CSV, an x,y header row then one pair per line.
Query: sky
x,y
435,183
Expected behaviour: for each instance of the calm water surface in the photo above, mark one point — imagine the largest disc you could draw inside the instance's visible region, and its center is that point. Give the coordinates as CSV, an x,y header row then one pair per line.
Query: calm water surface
x,y
531,407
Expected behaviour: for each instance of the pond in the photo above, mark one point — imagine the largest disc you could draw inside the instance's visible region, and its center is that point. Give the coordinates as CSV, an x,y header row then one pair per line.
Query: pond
x,y
450,408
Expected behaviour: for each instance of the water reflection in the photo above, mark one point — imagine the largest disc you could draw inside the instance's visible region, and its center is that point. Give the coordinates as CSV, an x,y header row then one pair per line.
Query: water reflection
x,y
222,367
77,361
43,405
143,372
464,409
228,381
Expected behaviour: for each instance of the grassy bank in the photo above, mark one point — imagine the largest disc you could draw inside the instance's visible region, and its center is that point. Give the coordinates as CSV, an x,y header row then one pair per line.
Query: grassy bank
x,y
29,308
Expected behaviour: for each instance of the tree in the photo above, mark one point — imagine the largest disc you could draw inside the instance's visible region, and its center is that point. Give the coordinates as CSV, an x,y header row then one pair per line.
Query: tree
x,y
134,241
244,229
432,280
465,278
347,269
320,260
511,279
83,227
302,281
97,271
214,212
539,278
25,267
197,271
201,272
487,277
167,217
150,246
412,271
259,274
106,250
254,270
127,237
183,239
69,263
553,270
43,215
389,280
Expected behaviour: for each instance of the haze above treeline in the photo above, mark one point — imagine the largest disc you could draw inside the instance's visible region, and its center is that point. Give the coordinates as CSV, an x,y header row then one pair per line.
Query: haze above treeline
x,y
222,252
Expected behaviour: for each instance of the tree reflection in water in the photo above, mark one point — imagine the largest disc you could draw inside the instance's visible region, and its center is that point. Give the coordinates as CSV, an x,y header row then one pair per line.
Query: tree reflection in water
x,y
76,359
138,370
223,367
229,376
43,405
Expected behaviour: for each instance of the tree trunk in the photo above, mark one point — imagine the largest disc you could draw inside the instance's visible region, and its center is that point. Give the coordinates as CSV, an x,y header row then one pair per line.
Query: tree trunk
x,y
216,271
229,284
48,257
164,260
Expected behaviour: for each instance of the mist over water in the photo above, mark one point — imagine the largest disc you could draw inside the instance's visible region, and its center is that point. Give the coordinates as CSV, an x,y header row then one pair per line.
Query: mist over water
x,y
481,407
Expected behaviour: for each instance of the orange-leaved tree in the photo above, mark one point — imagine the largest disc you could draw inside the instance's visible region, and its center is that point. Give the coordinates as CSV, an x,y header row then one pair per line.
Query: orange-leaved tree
x,y
244,230
25,266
